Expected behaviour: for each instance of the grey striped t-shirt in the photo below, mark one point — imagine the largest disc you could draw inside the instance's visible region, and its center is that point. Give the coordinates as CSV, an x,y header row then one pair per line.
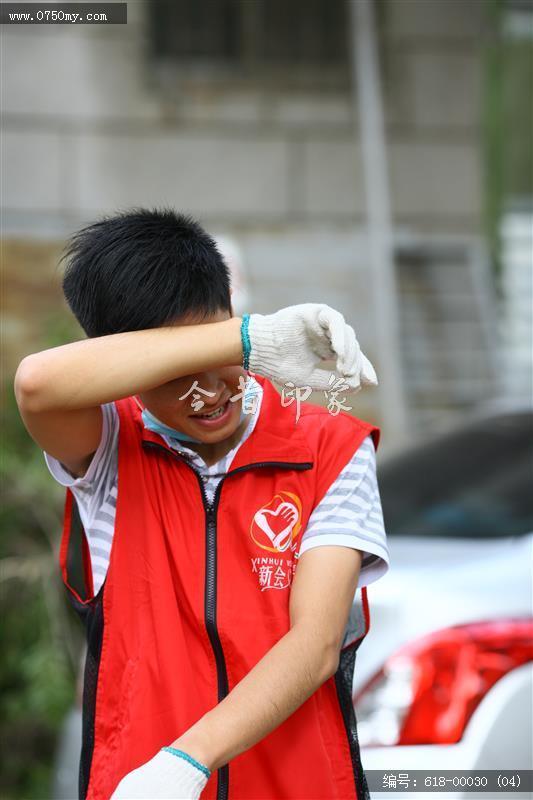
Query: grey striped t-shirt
x,y
349,514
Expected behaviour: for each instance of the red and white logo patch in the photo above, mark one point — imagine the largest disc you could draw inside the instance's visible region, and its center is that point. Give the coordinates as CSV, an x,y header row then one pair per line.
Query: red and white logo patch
x,y
275,528
276,525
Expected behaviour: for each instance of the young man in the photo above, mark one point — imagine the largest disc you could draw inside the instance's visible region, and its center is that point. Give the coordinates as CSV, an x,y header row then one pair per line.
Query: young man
x,y
216,542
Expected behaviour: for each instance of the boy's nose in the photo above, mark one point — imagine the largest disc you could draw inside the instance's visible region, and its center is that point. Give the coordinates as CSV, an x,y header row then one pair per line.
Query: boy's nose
x,y
212,383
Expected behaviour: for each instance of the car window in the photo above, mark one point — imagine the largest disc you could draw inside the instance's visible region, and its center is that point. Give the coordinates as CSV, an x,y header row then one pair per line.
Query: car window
x,y
477,482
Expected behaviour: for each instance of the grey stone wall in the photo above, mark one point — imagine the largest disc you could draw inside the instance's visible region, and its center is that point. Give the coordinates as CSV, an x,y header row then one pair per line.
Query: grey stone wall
x,y
85,132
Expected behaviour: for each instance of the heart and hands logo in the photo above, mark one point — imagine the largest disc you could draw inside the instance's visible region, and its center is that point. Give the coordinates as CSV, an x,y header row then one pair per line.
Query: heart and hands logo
x,y
276,525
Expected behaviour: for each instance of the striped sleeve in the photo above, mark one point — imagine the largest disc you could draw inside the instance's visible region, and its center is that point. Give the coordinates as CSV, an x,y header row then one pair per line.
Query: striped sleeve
x,y
96,493
350,514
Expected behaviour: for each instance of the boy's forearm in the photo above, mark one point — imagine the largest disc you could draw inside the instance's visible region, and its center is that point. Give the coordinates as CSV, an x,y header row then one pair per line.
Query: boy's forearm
x,y
279,683
106,368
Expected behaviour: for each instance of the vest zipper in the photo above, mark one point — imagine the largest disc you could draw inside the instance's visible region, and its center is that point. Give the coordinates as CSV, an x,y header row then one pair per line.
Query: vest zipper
x,y
210,593
210,612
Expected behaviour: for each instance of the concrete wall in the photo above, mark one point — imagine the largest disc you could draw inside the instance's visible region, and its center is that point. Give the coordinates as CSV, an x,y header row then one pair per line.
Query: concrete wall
x,y
85,133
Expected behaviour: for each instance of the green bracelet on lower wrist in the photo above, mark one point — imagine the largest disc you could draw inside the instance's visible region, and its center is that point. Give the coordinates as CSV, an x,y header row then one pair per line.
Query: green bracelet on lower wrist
x,y
190,759
245,338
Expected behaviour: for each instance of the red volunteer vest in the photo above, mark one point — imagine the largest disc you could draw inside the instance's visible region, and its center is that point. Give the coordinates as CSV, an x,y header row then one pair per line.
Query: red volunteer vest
x,y
196,595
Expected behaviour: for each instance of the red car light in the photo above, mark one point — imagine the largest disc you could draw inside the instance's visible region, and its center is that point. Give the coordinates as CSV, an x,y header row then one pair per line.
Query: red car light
x,y
427,691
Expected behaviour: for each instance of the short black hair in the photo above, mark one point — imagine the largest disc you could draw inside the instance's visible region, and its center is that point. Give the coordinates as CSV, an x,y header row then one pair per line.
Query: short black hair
x,y
143,268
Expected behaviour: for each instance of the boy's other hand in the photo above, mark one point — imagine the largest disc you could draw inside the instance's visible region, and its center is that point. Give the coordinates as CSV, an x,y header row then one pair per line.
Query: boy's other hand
x,y
169,775
287,345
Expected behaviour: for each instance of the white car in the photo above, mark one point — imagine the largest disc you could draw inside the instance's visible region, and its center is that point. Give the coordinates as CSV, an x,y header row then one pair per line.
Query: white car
x,y
444,677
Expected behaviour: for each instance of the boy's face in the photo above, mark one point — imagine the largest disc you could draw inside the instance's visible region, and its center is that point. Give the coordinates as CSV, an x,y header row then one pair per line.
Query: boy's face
x,y
221,382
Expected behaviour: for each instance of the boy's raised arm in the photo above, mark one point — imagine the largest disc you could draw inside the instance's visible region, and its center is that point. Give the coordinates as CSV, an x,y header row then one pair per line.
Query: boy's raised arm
x,y
98,370
60,391
284,346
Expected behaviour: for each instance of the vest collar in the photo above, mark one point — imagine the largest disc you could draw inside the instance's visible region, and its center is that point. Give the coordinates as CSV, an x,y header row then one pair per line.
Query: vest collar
x,y
275,438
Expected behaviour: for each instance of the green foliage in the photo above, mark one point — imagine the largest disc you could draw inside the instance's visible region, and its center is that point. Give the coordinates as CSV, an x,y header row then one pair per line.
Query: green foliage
x,y
40,637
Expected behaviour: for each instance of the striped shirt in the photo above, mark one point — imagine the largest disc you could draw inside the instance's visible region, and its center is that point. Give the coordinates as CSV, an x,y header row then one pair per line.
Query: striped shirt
x,y
349,514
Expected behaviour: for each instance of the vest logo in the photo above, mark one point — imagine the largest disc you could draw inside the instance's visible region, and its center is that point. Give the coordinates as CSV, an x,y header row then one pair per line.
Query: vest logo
x,y
273,573
276,525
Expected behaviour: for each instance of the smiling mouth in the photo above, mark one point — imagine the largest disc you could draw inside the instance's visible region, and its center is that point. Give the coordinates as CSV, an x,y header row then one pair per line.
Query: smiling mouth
x,y
213,414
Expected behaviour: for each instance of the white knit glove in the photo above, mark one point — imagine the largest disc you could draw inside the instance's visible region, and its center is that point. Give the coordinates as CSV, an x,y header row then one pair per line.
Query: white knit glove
x,y
166,776
287,345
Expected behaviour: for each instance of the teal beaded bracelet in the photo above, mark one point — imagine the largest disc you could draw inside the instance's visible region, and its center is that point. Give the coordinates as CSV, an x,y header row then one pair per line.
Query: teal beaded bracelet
x,y
190,759
245,338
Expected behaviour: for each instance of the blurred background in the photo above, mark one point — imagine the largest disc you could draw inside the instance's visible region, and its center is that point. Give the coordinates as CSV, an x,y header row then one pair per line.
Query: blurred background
x,y
375,155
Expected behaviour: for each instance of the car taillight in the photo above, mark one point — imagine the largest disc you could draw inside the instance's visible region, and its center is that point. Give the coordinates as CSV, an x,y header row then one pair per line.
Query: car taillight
x,y
427,691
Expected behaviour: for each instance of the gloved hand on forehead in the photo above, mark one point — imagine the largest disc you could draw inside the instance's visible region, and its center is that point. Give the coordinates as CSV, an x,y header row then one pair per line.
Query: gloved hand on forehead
x,y
287,345
170,775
